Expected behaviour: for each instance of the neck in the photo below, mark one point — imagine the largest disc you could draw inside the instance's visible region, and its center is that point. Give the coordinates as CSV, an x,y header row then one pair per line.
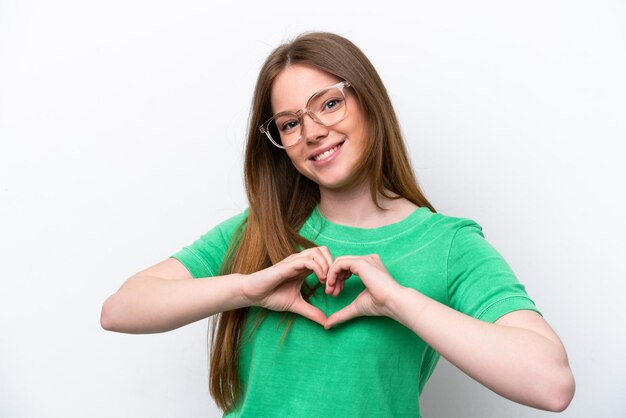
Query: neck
x,y
356,208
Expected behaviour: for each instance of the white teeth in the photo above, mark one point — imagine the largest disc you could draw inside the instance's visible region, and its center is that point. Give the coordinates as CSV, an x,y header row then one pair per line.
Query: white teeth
x,y
326,153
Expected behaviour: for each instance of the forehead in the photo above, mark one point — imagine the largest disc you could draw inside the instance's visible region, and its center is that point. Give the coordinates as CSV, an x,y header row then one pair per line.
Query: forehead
x,y
295,84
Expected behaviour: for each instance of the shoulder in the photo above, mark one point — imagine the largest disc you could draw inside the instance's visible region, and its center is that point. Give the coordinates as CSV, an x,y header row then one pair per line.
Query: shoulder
x,y
230,226
204,256
450,225
221,234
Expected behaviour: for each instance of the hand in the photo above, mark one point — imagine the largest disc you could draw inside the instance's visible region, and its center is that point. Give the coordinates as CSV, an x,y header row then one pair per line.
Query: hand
x,y
278,287
373,301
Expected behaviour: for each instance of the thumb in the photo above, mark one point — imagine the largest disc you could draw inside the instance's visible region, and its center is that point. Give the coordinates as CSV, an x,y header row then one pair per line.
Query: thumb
x,y
342,315
301,307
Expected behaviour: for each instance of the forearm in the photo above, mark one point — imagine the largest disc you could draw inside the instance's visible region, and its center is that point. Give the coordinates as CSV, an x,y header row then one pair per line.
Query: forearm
x,y
146,304
517,363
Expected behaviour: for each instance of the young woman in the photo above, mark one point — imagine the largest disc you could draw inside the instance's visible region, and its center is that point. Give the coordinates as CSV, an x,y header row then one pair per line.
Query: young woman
x,y
340,286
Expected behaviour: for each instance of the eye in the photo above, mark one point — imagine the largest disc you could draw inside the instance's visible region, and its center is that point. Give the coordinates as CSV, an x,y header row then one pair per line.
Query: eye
x,y
332,104
288,126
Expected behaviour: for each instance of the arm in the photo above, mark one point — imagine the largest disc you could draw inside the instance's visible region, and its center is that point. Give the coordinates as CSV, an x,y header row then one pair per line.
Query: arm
x,y
165,296
518,357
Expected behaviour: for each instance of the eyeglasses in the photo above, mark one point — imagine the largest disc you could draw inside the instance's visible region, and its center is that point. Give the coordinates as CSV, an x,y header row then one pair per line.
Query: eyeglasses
x,y
326,107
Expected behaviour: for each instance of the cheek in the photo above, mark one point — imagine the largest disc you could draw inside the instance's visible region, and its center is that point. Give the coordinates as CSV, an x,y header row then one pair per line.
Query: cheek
x,y
292,155
357,126
359,133
296,159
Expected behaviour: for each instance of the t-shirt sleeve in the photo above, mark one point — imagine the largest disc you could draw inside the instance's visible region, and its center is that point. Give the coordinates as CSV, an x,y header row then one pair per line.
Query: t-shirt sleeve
x,y
204,256
480,282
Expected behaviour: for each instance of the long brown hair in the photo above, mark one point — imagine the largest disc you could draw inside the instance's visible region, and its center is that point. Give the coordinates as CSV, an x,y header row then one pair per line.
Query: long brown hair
x,y
280,198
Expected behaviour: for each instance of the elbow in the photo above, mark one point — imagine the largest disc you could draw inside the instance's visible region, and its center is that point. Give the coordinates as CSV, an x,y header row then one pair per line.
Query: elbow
x,y
562,393
107,317
105,321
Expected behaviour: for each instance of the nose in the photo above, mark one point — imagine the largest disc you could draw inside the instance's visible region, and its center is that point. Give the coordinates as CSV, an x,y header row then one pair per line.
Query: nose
x,y
312,132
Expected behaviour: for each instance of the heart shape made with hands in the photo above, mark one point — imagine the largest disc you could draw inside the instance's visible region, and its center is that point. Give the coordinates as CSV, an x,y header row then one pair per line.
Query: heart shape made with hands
x,y
372,301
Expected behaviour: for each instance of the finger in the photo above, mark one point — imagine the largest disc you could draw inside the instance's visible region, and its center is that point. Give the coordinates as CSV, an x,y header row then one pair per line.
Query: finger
x,y
301,307
312,265
331,277
339,271
327,255
321,257
338,287
341,315
343,267
329,289
338,284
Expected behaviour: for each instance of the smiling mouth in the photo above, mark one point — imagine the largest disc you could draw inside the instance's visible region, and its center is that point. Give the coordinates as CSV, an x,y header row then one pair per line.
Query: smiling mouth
x,y
327,153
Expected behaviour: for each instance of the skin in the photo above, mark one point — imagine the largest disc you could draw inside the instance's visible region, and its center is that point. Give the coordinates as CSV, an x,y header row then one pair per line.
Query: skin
x,y
519,356
290,91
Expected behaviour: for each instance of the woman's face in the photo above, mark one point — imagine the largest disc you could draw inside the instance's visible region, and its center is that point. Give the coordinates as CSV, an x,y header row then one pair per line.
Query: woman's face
x,y
327,155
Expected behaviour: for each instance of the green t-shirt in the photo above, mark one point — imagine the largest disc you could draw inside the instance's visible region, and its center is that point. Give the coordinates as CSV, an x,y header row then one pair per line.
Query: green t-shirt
x,y
368,366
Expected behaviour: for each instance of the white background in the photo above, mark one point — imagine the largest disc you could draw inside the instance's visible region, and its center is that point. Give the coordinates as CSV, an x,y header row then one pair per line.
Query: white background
x,y
121,137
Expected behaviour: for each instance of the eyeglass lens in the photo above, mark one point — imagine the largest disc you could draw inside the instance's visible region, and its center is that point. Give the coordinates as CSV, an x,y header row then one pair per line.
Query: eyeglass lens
x,y
326,107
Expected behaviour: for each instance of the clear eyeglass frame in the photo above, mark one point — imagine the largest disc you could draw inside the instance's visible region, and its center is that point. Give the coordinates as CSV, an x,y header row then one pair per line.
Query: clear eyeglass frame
x,y
265,126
